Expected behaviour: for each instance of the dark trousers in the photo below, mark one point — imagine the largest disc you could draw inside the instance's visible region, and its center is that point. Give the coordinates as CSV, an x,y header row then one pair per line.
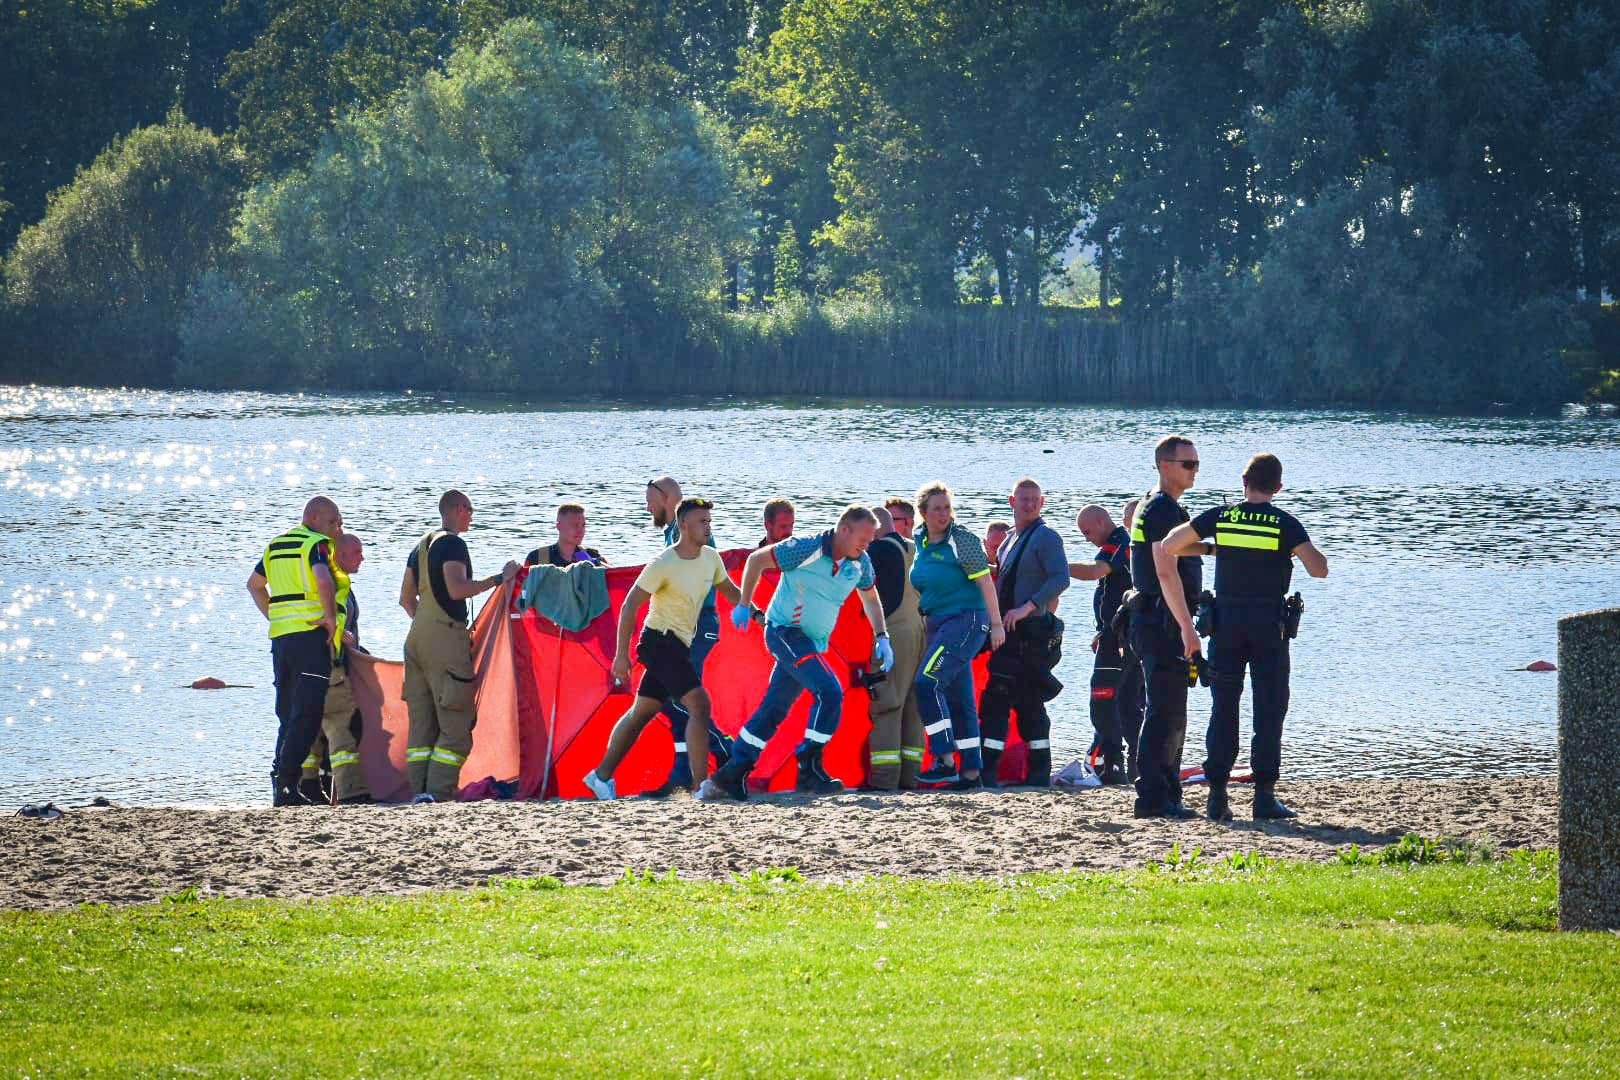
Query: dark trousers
x,y
1001,698
1129,701
1248,635
1109,675
303,665
680,773
944,685
799,669
1157,642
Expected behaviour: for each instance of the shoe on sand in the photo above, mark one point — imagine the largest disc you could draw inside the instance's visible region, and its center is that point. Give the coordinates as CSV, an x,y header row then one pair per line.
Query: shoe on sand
x,y
602,789
730,781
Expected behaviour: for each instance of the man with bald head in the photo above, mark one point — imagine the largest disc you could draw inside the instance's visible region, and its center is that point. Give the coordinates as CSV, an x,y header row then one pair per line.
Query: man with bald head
x,y
1116,678
293,588
1032,572
338,745
663,500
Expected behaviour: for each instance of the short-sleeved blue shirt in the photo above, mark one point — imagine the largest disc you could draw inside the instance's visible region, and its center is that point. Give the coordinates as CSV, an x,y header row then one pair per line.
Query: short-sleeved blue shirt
x,y
815,585
946,574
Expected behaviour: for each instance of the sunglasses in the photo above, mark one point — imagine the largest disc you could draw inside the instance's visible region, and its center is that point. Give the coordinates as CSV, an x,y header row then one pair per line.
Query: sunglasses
x,y
700,504
1190,464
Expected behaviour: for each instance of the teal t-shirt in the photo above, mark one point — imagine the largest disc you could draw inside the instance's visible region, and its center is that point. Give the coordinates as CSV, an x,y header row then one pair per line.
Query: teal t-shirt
x,y
946,574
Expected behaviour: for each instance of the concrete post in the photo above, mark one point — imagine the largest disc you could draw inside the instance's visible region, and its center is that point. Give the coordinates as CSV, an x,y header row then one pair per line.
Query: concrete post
x,y
1589,771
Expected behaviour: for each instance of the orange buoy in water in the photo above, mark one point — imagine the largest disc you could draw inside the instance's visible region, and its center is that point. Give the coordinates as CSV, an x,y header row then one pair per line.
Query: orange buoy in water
x,y
210,683
1541,665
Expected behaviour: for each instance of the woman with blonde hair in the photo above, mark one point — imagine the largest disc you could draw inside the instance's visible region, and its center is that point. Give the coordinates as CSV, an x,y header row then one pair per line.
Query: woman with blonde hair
x,y
955,592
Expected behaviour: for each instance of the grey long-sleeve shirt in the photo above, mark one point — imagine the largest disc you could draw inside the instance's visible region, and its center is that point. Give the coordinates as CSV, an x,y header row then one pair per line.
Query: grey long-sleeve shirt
x,y
1040,574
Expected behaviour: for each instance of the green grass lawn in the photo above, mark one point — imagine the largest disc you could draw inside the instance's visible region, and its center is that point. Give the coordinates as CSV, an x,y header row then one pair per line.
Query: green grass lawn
x,y
1261,969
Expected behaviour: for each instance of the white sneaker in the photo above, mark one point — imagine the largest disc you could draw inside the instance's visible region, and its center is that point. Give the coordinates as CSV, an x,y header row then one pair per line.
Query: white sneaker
x,y
709,791
602,789
423,797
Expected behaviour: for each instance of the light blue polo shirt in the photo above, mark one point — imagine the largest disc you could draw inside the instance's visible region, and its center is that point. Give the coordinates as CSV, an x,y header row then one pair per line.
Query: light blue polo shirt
x,y
815,585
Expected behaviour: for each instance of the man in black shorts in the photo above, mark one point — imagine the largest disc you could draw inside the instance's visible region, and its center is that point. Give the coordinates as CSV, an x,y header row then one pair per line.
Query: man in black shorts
x,y
677,583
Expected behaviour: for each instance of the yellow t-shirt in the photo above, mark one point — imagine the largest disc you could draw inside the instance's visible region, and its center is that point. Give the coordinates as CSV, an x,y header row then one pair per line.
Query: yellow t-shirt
x,y
678,588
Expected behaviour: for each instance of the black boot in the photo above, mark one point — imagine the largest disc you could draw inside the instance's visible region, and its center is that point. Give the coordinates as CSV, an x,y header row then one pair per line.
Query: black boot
x,y
813,777
287,794
1267,807
992,765
729,781
310,788
1219,807
1040,769
1113,771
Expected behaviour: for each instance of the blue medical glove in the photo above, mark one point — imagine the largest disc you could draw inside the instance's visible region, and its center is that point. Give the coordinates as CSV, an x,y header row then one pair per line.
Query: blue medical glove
x,y
884,652
741,615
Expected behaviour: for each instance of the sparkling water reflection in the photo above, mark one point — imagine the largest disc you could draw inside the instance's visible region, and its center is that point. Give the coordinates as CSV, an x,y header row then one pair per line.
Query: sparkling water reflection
x,y
131,520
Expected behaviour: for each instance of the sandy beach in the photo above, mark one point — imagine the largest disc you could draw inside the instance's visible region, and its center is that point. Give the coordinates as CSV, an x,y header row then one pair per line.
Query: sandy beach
x,y
124,856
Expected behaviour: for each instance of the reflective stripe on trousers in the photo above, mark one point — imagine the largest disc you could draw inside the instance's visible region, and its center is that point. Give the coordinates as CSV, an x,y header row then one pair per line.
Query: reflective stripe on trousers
x,y
799,668
945,691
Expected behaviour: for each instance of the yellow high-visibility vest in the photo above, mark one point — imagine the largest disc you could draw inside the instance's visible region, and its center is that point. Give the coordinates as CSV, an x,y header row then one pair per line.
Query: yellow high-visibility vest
x,y
295,599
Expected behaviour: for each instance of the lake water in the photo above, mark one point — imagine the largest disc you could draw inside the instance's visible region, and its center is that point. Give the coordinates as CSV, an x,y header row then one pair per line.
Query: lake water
x,y
132,519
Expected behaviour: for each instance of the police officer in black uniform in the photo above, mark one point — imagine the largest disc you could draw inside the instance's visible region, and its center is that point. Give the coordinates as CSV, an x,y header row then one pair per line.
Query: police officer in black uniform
x,y
1256,544
1116,677
1162,631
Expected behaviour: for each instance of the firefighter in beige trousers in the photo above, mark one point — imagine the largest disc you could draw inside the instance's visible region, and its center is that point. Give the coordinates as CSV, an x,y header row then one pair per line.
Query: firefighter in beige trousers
x,y
339,743
896,743
440,683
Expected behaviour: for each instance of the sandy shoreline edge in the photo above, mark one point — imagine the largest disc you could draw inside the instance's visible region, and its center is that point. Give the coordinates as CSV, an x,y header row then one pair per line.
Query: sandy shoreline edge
x,y
124,856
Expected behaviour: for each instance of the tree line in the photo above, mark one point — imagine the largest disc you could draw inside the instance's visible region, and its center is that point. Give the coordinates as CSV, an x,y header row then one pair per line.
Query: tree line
x,y
1367,201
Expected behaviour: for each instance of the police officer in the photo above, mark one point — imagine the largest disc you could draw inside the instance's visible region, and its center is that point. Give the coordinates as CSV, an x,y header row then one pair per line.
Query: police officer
x,y
439,679
1162,632
1034,572
1255,547
292,587
1115,674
